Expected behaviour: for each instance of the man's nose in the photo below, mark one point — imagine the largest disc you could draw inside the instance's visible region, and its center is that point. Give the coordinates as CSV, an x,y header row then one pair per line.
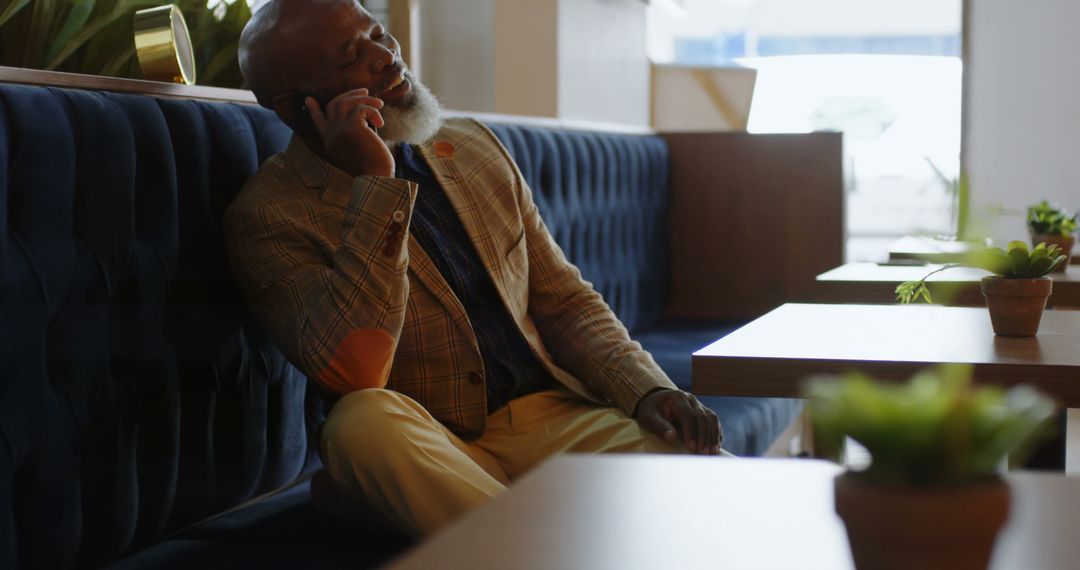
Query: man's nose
x,y
381,57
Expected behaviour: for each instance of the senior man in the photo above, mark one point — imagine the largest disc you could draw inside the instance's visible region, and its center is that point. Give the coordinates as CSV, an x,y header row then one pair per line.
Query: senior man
x,y
399,261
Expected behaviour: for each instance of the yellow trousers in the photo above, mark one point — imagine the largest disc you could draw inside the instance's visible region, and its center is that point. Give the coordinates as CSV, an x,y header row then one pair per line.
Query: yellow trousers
x,y
389,458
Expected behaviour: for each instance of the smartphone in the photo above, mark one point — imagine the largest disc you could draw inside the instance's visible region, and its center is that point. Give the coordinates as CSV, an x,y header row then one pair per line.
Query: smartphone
x,y
304,125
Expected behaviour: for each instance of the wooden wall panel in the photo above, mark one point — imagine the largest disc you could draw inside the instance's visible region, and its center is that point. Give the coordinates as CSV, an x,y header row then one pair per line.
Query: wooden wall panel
x,y
754,219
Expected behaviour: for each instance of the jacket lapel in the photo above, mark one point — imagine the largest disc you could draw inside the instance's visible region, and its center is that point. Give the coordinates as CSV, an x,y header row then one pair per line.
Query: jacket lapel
x,y
428,273
440,155
446,154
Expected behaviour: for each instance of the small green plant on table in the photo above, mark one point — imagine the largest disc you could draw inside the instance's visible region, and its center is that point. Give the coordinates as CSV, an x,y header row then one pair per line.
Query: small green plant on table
x,y
932,496
1016,294
935,429
1016,263
1046,219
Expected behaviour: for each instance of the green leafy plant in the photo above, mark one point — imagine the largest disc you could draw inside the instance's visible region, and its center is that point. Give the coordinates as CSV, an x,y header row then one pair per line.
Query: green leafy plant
x,y
1045,219
96,36
1016,263
934,430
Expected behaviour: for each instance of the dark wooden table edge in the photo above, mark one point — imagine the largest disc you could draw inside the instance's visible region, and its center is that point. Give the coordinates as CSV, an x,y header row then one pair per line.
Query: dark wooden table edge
x,y
783,378
950,293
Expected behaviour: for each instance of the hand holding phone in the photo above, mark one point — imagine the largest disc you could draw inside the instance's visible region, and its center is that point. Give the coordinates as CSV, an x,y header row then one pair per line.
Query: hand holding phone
x,y
346,125
302,122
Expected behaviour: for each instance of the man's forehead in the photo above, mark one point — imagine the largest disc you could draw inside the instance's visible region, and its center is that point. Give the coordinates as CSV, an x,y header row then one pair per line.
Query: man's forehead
x,y
323,15
338,26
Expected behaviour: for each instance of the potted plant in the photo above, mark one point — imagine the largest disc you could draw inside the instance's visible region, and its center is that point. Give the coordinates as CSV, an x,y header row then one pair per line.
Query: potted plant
x,y
931,496
1050,224
1017,292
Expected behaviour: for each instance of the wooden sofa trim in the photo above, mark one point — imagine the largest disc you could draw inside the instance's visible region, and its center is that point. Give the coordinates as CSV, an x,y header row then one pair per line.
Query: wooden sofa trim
x,y
99,83
177,91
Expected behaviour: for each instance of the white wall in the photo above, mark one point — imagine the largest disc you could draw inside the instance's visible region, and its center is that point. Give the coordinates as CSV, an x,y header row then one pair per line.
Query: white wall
x,y
457,52
1022,118
526,57
701,99
603,67
566,59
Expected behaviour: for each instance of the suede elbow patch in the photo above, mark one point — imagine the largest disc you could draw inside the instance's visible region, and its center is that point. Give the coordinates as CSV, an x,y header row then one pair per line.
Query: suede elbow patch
x,y
361,361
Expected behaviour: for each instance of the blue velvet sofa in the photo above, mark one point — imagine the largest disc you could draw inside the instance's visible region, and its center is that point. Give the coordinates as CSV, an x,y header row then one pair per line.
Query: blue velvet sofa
x,y
145,418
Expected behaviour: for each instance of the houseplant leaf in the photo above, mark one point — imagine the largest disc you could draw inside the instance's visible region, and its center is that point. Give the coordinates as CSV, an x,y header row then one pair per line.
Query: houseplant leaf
x,y
1040,266
1019,258
13,7
122,9
221,63
77,16
108,44
992,259
934,430
42,13
1045,218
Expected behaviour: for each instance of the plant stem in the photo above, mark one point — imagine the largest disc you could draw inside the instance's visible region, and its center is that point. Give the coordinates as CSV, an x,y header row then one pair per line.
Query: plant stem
x,y
939,270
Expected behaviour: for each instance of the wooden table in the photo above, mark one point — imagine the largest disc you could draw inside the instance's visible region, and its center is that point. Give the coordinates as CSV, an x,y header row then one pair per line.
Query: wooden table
x,y
876,283
651,512
932,250
772,355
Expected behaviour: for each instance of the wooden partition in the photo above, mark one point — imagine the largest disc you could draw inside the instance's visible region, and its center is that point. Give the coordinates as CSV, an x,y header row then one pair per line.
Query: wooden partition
x,y
754,219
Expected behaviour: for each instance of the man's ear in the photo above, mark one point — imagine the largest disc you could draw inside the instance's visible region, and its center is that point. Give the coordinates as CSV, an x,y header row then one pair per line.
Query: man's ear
x,y
282,105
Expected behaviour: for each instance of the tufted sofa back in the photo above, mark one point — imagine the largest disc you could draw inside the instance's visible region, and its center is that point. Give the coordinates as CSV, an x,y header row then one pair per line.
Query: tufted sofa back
x,y
605,198
137,395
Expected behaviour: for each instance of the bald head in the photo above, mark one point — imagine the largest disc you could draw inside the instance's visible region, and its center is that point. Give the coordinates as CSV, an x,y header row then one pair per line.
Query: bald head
x,y
279,44
329,49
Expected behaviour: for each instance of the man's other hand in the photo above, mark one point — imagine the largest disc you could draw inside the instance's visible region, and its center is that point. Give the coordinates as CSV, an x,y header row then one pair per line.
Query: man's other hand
x,y
674,414
347,129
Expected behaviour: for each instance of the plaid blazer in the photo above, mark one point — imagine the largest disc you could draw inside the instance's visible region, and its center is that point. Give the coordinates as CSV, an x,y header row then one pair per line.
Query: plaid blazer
x,y
327,264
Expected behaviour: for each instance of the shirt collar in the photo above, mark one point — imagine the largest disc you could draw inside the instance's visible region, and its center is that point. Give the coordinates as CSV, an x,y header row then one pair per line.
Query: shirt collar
x,y
410,160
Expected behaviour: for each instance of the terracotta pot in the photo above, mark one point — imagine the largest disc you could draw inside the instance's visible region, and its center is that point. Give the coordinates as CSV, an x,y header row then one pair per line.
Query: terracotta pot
x,y
913,527
1064,242
1016,305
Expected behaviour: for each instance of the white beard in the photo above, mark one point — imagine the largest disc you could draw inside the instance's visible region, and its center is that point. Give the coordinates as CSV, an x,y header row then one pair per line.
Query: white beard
x,y
415,120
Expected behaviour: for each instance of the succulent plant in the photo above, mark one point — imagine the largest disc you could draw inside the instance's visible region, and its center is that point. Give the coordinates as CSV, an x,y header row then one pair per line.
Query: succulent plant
x,y
1046,219
1016,263
934,430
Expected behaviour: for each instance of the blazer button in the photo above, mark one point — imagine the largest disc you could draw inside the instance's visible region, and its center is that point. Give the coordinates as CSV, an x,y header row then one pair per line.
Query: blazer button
x,y
476,379
398,216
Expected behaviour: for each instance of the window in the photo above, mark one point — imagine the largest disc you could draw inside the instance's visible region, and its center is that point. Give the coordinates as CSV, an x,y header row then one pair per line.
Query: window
x,y
886,74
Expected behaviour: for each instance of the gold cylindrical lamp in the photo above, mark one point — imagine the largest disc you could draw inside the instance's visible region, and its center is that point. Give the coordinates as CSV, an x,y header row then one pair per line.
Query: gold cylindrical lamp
x,y
163,45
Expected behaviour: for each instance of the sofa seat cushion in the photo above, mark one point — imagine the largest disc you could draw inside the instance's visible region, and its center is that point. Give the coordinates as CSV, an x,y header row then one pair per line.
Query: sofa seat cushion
x,y
286,531
281,531
750,424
